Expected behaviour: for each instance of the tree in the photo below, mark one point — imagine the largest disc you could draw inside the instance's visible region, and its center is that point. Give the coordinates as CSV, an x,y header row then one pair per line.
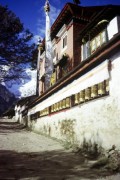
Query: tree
x,y
16,47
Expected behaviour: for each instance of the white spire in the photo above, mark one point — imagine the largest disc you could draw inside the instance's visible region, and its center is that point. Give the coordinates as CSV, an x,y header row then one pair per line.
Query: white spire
x,y
47,6
48,48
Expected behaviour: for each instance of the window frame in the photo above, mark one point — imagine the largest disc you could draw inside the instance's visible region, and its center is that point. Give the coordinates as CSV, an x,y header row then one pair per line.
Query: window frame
x,y
64,42
102,39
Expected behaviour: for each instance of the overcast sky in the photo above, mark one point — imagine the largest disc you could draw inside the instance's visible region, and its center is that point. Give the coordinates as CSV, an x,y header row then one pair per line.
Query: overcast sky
x,y
31,12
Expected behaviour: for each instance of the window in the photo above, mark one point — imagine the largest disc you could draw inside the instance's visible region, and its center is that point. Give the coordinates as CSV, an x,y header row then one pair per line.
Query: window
x,y
54,53
65,41
103,37
57,56
86,50
98,41
91,46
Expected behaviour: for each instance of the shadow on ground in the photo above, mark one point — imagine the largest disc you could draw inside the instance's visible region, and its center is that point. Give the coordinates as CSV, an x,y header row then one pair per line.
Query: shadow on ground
x,y
46,165
54,165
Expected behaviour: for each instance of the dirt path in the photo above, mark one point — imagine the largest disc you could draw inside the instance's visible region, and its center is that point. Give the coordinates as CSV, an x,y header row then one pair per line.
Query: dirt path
x,y
25,155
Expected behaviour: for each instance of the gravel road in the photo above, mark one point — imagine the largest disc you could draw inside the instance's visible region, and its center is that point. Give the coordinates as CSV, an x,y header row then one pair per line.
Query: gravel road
x,y
25,155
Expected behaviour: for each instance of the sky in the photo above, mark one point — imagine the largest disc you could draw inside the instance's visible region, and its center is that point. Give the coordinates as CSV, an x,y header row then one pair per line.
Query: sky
x,y
31,12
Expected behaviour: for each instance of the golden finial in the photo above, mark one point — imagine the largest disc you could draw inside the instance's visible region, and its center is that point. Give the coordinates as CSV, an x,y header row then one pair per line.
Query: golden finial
x,y
47,6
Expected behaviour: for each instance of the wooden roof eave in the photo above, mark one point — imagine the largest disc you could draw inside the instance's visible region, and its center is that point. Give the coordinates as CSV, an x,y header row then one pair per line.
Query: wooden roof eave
x,y
99,56
92,23
95,30
106,13
24,100
62,17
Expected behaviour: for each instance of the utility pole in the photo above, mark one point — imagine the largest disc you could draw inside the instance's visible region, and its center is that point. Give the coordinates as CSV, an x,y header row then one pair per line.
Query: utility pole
x,y
40,49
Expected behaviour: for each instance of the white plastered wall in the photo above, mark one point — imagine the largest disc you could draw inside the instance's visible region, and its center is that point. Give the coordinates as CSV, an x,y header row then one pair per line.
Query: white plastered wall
x,y
97,121
95,76
113,27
